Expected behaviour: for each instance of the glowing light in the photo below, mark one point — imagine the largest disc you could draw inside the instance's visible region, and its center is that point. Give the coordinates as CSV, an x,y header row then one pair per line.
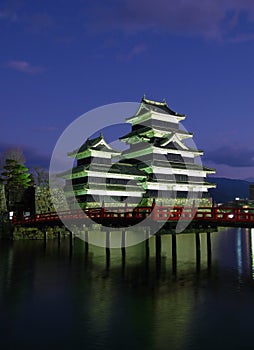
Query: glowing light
x,y
252,252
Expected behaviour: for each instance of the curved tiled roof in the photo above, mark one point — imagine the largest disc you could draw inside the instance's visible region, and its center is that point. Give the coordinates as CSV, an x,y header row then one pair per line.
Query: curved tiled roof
x,y
159,107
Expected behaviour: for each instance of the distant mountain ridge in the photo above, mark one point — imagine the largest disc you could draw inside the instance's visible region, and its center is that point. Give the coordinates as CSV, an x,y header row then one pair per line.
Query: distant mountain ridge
x,y
228,189
250,179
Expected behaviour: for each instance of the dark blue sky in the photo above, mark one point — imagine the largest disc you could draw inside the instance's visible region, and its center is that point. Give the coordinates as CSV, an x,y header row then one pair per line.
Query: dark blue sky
x,y
59,59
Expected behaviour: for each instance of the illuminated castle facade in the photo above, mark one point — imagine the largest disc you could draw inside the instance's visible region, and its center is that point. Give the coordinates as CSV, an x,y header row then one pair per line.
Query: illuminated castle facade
x,y
157,166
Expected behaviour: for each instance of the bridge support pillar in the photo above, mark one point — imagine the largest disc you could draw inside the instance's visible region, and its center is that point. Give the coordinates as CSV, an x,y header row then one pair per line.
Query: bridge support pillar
x,y
70,241
58,237
123,245
209,250
44,230
158,250
198,255
147,242
174,254
107,248
147,248
123,249
107,239
86,242
147,232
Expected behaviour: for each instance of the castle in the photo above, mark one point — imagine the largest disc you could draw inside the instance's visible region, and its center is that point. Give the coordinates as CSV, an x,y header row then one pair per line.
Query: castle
x,y
158,165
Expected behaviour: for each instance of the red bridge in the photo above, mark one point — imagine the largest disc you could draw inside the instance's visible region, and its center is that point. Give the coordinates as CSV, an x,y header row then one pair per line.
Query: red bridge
x,y
215,216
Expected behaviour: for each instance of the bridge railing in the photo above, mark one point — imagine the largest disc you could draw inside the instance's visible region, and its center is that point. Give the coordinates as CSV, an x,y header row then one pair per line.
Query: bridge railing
x,y
158,213
221,214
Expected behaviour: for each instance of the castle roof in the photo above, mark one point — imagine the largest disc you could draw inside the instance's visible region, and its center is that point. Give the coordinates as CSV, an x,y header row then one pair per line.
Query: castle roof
x,y
97,143
147,130
156,106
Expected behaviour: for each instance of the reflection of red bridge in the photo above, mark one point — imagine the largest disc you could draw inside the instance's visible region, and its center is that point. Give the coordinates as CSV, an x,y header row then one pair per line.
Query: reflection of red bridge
x,y
215,216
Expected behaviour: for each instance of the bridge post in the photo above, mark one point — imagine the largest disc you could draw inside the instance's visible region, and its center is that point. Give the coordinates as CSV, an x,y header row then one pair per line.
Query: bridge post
x,y
147,247
58,237
174,254
44,230
70,241
198,255
147,237
123,240
158,250
107,248
209,249
86,242
123,244
147,232
108,239
123,249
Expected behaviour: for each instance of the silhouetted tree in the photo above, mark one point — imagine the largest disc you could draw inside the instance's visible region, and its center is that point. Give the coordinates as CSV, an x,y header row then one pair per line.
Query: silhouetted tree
x,y
15,153
16,178
41,176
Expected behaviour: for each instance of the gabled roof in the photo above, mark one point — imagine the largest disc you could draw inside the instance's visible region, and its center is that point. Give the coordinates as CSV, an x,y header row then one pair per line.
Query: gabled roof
x,y
156,106
177,144
97,143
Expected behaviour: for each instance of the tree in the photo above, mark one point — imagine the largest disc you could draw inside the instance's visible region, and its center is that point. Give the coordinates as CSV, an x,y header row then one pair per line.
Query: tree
x,y
15,153
41,176
16,178
15,175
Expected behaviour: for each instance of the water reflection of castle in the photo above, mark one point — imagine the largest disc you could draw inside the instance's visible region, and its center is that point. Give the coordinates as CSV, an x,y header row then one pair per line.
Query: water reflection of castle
x,y
157,165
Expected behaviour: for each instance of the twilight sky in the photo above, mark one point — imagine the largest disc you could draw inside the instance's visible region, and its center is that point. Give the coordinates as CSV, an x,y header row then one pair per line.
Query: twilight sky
x,y
61,58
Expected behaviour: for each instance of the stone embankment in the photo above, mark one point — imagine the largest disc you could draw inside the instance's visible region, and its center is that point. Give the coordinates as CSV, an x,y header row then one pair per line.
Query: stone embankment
x,y
7,231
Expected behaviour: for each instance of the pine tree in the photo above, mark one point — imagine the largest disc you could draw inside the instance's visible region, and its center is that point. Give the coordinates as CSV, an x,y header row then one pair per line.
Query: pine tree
x,y
16,178
15,175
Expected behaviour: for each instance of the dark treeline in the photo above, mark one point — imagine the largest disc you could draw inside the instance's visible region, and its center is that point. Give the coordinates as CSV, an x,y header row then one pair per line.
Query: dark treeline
x,y
18,182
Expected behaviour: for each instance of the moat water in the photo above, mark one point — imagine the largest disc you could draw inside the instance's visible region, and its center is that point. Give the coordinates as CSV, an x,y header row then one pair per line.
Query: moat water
x,y
51,298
